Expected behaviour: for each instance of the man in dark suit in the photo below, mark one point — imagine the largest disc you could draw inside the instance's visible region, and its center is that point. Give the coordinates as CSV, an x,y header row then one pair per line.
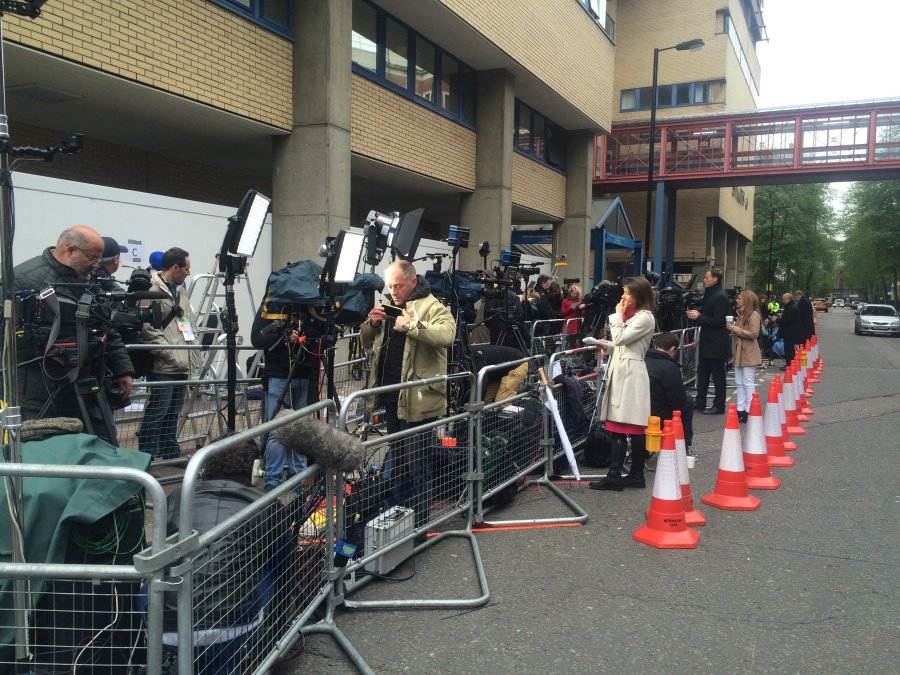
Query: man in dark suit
x,y
790,327
715,349
806,315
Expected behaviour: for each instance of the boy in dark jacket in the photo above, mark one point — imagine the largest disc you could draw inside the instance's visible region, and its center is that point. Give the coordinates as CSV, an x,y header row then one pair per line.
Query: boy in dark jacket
x,y
667,391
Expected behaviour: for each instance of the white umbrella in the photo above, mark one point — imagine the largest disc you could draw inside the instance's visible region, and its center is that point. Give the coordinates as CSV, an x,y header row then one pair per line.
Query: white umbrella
x,y
550,402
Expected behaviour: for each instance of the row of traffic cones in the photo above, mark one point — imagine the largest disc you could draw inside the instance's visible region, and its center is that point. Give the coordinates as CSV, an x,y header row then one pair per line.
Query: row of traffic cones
x,y
742,467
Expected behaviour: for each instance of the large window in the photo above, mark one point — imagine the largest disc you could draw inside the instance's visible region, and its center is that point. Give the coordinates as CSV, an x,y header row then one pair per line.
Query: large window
x,y
389,52
667,96
538,137
272,14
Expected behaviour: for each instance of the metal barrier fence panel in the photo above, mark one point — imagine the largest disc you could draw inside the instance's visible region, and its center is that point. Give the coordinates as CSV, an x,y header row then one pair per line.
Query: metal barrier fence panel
x,y
251,582
422,480
101,614
582,365
508,432
545,334
688,354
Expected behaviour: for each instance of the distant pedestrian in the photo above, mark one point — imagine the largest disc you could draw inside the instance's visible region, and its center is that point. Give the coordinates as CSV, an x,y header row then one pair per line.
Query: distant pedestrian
x,y
806,315
790,328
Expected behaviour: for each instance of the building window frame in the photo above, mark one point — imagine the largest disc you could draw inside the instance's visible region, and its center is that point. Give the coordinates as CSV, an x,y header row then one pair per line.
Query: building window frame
x,y
544,153
256,14
465,75
596,9
667,96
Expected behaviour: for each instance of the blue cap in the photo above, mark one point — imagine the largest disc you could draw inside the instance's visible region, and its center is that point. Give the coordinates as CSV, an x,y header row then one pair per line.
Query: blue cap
x,y
156,260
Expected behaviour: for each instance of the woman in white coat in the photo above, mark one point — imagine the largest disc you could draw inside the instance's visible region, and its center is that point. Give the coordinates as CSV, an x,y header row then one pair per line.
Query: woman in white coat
x,y
626,405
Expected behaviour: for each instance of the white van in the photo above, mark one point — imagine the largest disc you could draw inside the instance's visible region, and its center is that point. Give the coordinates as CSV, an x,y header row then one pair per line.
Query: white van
x,y
839,302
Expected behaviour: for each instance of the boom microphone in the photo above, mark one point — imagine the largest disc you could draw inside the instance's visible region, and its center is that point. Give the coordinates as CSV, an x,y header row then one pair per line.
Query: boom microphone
x,y
321,443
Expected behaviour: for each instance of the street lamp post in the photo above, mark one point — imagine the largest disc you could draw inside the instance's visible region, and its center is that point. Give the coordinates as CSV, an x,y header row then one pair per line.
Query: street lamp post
x,y
696,43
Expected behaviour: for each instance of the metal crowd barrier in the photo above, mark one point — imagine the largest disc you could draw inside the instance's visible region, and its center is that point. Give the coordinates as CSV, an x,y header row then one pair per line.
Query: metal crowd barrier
x,y
352,373
99,617
511,443
545,333
688,354
245,588
412,481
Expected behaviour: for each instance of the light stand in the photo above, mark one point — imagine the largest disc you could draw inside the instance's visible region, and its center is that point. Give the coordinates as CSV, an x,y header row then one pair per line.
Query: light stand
x,y
342,255
241,238
681,46
11,415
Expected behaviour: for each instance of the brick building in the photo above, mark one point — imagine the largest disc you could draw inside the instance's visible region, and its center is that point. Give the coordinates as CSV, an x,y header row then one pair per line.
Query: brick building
x,y
482,112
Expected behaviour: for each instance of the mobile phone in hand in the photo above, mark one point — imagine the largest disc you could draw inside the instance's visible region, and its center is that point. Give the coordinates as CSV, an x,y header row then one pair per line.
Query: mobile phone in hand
x,y
392,311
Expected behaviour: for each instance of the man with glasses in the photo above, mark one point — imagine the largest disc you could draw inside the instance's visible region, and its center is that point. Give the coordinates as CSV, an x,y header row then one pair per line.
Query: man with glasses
x,y
47,375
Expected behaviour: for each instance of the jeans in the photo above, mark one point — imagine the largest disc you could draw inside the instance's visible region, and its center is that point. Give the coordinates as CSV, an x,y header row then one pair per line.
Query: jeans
x,y
276,454
159,427
705,368
408,465
745,378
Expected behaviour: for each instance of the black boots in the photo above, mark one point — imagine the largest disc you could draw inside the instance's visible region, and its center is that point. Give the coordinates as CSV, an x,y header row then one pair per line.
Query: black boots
x,y
635,477
613,480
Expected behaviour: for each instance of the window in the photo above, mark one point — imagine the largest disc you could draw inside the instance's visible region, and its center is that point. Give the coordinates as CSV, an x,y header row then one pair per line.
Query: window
x,y
449,83
272,14
396,63
424,69
667,96
365,37
392,54
597,10
538,137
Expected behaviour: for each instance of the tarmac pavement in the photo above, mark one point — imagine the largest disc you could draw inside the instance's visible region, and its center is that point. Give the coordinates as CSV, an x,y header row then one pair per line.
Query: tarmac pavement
x,y
806,584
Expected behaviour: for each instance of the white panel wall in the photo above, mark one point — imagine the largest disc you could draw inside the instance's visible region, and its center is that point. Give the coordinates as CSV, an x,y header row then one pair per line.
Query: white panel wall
x,y
144,222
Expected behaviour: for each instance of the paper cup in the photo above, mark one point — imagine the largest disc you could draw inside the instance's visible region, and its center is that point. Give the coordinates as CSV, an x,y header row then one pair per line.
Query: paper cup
x,y
729,319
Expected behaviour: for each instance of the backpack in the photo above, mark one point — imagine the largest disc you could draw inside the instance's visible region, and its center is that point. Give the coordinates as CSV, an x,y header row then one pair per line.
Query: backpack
x,y
597,447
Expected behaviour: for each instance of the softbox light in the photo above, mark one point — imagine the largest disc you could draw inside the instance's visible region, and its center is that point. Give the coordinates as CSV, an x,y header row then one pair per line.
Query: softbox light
x,y
348,249
405,240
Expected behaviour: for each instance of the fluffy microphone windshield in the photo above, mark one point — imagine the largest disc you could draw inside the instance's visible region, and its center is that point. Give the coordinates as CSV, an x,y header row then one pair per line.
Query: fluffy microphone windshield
x,y
321,443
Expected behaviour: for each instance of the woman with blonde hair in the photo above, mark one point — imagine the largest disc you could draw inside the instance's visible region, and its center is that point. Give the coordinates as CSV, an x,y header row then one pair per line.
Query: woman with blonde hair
x,y
747,355
626,405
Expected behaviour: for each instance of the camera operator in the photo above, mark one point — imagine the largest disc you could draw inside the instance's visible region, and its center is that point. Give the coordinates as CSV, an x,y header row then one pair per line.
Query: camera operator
x,y
278,333
159,426
77,253
109,265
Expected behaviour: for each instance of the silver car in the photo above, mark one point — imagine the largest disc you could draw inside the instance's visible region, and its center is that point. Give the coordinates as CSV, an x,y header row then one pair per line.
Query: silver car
x,y
877,319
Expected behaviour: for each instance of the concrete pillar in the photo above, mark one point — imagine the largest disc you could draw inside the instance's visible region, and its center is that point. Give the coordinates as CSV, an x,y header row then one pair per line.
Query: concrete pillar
x,y
731,264
311,167
573,235
719,239
488,210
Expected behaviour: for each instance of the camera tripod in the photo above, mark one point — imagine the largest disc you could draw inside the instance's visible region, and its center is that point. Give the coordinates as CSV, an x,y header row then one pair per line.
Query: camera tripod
x,y
88,389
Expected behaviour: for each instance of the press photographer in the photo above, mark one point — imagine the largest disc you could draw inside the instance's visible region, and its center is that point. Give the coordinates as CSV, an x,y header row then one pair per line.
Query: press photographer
x,y
49,374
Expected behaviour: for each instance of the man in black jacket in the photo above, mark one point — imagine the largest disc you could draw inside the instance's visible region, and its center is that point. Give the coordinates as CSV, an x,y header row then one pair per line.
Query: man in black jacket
x,y
804,306
278,331
715,349
66,267
667,392
790,327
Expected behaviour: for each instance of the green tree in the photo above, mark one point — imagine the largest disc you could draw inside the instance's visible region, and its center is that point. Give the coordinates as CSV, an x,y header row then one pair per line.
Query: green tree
x,y
793,239
871,250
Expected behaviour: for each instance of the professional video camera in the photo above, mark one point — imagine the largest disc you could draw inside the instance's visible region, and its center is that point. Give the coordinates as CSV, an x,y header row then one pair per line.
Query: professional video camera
x,y
733,294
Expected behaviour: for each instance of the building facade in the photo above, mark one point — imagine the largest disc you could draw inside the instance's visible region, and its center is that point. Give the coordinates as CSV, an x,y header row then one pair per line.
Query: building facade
x,y
711,225
334,107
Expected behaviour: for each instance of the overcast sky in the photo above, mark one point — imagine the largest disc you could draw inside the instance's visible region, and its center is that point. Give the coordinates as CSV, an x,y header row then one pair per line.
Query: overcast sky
x,y
822,51
825,51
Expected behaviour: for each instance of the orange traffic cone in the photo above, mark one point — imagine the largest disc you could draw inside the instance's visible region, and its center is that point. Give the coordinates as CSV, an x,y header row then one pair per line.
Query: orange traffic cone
x,y
803,390
789,445
790,404
819,366
691,515
756,460
666,526
730,492
774,440
810,365
799,396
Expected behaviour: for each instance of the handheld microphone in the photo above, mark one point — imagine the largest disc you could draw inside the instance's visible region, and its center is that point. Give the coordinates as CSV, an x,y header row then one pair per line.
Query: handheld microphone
x,y
321,443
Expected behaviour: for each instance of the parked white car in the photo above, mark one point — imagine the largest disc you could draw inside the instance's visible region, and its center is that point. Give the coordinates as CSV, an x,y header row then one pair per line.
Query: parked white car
x,y
839,302
877,319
